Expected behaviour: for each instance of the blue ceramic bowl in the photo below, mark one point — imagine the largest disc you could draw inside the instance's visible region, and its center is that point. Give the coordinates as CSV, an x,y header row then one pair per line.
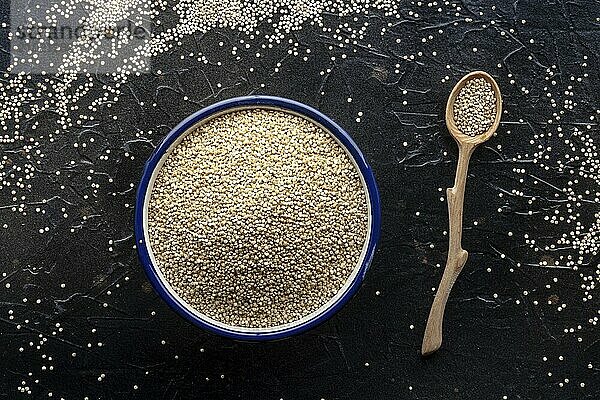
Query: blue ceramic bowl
x,y
154,164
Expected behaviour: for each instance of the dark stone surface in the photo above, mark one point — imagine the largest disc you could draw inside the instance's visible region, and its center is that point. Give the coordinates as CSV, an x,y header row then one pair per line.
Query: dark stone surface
x,y
500,324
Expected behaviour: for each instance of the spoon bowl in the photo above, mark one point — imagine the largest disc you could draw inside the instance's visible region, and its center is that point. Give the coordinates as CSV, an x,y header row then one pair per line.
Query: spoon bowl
x,y
454,131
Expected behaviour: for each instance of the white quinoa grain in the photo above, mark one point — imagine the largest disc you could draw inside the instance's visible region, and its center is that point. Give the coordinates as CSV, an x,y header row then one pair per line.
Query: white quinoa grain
x,y
475,107
257,218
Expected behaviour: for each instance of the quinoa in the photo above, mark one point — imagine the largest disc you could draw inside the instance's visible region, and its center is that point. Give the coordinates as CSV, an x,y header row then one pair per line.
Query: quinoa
x,y
257,218
475,107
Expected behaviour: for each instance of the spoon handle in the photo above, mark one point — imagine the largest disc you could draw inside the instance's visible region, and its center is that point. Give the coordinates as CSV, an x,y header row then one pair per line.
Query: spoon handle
x,y
457,256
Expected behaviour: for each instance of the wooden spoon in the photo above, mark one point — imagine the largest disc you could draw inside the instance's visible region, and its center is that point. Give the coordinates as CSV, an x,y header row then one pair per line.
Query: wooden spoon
x,y
457,256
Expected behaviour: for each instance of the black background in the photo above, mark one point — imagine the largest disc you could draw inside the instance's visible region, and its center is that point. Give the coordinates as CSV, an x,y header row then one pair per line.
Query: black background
x,y
503,333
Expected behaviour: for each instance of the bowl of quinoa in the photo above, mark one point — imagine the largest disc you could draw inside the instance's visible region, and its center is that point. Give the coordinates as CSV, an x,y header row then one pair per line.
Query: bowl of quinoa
x,y
257,218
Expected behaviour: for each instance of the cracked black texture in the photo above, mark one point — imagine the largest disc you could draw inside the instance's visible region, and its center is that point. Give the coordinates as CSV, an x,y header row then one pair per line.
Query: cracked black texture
x,y
492,346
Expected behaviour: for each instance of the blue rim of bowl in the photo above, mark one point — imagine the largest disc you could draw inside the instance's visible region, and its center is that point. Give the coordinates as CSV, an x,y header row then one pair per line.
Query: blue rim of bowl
x,y
231,105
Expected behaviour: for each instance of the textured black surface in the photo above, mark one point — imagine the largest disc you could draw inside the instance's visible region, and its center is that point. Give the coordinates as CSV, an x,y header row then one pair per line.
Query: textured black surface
x,y
504,334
